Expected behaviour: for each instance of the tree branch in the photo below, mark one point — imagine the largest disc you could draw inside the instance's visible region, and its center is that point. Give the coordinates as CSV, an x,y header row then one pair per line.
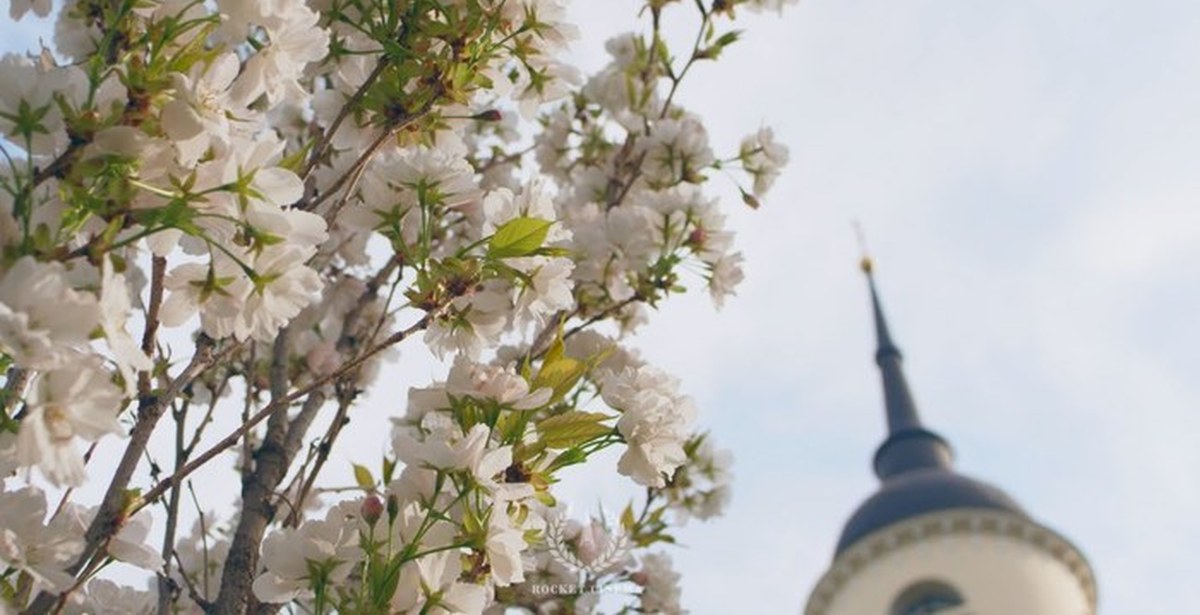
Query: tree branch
x,y
272,460
112,511
230,440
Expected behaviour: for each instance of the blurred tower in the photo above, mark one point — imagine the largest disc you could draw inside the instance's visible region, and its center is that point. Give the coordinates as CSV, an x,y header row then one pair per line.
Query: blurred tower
x,y
932,541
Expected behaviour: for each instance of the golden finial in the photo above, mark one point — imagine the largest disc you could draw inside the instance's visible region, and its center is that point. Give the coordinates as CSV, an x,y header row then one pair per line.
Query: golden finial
x,y
866,264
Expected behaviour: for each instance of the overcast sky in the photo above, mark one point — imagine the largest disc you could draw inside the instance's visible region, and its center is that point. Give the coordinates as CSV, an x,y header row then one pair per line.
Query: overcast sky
x,y
1026,173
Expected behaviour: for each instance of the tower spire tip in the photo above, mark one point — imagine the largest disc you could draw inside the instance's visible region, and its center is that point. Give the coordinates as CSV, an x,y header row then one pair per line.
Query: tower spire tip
x,y
865,262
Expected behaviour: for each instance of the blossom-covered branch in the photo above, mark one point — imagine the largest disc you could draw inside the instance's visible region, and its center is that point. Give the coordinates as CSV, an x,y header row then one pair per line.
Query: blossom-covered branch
x,y
225,216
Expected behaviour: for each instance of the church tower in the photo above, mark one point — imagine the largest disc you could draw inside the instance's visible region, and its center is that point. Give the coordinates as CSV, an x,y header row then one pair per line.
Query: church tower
x,y
932,541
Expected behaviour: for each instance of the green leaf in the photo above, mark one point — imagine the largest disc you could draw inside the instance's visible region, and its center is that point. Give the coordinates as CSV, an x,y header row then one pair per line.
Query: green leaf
x,y
561,375
518,237
389,469
546,499
363,477
472,525
572,428
568,457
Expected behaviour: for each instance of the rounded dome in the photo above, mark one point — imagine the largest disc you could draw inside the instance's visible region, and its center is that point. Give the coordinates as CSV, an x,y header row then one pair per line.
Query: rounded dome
x,y
916,492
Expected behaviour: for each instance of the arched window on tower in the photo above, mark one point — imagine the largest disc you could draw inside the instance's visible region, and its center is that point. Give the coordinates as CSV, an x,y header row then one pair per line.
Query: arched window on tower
x,y
927,598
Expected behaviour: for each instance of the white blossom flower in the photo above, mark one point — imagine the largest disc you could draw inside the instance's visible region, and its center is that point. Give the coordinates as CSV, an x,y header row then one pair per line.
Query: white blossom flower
x,y
677,151
724,276
654,422
660,585
199,116
535,201
43,321
217,290
701,487
129,544
489,471
504,546
395,185
442,449
548,289
103,597
284,285
553,80
290,555
612,245
295,40
472,323
78,400
587,345
552,30
769,5
35,86
619,87
114,310
29,545
300,229
430,585
763,158
75,34
499,383
18,8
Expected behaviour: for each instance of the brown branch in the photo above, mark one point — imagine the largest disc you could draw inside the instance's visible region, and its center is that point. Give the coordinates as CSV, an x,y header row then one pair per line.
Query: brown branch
x,y
149,411
326,139
503,159
272,460
167,588
347,343
350,179
112,511
57,166
274,457
351,176
323,450
158,270
608,311
193,592
230,440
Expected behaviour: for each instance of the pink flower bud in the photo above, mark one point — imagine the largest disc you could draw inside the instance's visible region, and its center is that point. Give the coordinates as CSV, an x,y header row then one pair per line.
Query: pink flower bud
x,y
372,509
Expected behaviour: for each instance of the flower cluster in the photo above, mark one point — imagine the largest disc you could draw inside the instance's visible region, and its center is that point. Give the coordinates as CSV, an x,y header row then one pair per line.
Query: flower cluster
x,y
225,216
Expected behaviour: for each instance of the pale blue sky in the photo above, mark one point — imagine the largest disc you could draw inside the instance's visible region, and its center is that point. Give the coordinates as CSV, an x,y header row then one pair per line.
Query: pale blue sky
x,y
1027,174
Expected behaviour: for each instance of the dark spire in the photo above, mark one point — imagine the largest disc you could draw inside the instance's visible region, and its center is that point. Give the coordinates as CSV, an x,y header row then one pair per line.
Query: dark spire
x,y
908,446
913,463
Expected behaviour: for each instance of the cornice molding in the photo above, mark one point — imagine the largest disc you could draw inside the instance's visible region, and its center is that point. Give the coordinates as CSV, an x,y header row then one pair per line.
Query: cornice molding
x,y
974,522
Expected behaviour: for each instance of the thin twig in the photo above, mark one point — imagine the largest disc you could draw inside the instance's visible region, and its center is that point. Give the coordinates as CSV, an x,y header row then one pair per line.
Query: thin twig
x,y
326,139
225,443
166,586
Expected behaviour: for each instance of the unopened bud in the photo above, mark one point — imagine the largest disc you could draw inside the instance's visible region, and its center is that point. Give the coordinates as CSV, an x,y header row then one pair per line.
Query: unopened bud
x,y
491,115
393,508
750,200
372,509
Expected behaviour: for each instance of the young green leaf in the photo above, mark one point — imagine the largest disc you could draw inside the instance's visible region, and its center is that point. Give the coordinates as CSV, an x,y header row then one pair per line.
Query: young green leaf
x,y
363,477
572,427
518,237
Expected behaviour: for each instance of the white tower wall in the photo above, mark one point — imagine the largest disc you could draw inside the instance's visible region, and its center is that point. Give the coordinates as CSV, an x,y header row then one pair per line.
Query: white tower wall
x,y
1000,564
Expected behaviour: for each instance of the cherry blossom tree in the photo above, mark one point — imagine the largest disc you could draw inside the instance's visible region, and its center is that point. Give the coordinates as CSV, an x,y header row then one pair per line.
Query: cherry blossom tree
x,y
215,209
